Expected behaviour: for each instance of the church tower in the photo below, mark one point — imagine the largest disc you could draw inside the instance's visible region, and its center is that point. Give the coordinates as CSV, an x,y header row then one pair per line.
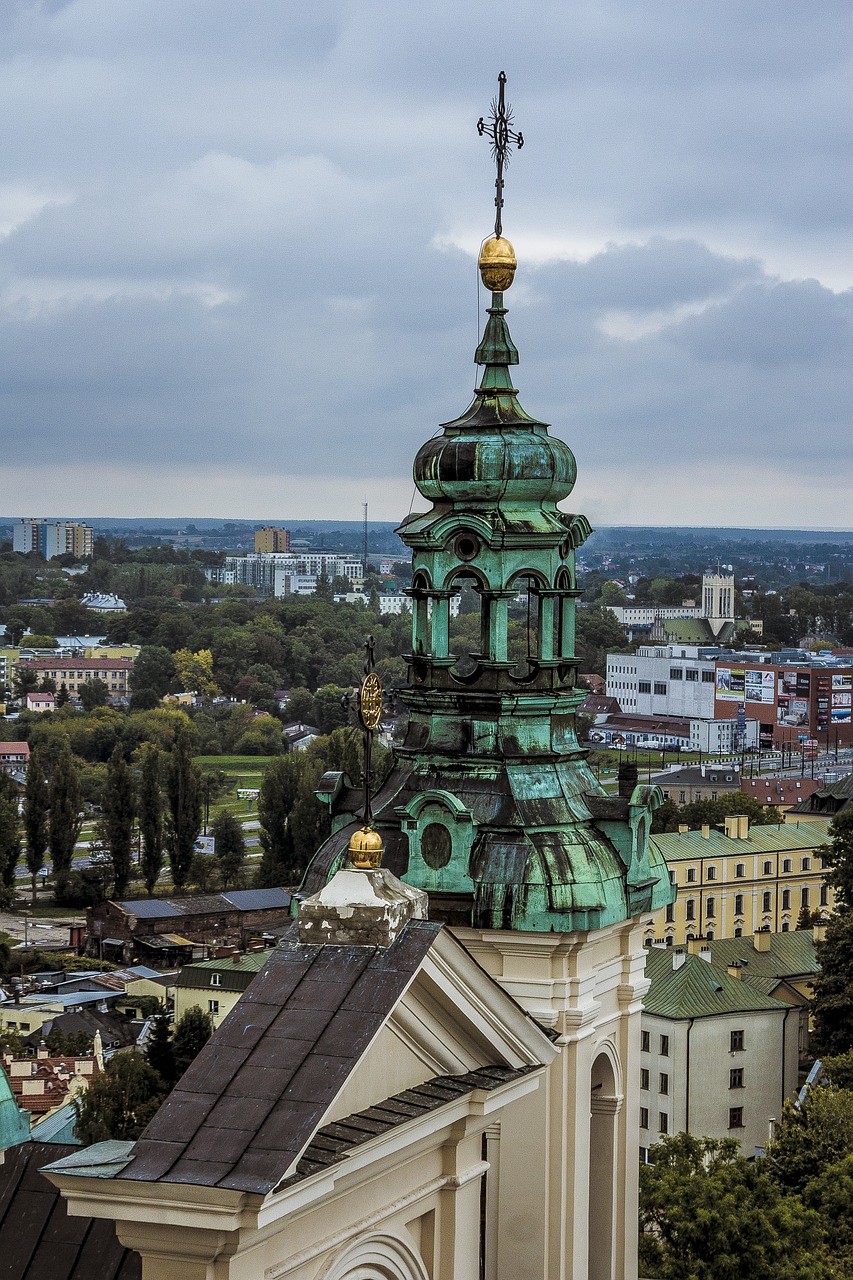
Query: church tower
x,y
492,809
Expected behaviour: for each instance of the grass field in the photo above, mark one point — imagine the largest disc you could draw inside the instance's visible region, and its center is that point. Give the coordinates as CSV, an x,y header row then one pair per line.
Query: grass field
x,y
235,764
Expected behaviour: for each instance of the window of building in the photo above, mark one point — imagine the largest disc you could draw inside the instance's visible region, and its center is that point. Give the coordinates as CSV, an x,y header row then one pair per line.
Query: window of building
x,y
675,673
713,795
664,1046
691,909
806,864
735,1117
712,873
644,1117
707,677
216,979
786,864
691,875
738,904
697,795
736,1078
663,1083
682,797
644,686
786,926
670,913
660,687
711,908
824,895
24,1026
740,871
767,869
663,1122
804,898
786,899
213,1006
738,931
736,1041
644,1041
644,1077
691,675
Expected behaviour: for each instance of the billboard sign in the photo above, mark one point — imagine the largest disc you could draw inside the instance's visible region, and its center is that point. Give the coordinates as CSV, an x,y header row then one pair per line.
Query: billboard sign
x,y
792,707
730,684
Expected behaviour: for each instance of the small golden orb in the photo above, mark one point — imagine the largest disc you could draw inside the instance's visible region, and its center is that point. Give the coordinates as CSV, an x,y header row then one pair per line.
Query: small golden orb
x,y
497,264
365,849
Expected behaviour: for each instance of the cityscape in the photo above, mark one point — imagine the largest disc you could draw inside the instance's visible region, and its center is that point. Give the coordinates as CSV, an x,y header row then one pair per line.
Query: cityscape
x,y
426,828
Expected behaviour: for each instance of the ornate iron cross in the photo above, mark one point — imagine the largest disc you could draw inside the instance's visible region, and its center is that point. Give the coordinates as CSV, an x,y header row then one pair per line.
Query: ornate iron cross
x,y
502,136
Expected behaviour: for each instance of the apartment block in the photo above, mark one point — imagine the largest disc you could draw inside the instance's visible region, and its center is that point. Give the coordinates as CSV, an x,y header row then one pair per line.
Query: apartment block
x,y
74,672
272,539
52,538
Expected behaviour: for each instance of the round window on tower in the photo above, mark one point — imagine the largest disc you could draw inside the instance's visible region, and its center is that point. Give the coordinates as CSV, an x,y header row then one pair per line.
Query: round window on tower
x,y
436,845
467,546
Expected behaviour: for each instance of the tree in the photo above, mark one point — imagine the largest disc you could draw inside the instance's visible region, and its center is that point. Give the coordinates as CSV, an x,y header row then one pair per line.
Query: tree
x,y
159,1053
832,1002
94,693
151,816
36,808
25,680
153,676
183,793
10,831
810,1135
838,859
119,808
191,1034
230,847
195,672
276,800
62,695
65,817
707,1213
309,822
120,1101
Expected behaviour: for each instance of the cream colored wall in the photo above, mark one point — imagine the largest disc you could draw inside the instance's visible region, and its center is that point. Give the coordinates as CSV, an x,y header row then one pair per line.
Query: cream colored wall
x,y
201,997
588,988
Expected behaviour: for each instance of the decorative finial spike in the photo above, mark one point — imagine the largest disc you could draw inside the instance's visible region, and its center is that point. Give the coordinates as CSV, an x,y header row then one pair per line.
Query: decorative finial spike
x,y
503,138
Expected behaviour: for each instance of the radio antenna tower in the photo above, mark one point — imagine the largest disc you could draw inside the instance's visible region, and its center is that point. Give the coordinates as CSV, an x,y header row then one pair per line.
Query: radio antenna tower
x,y
364,536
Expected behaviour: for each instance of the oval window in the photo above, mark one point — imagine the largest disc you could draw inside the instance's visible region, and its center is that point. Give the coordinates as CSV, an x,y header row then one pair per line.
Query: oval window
x,y
467,546
436,845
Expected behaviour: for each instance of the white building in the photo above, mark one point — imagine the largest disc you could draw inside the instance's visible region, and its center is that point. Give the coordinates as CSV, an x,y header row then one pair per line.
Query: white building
x,y
269,571
643,615
723,737
53,538
718,1056
664,680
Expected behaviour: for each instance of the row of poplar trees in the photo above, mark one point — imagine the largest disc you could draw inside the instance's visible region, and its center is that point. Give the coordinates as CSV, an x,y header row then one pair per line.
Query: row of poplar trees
x,y
164,796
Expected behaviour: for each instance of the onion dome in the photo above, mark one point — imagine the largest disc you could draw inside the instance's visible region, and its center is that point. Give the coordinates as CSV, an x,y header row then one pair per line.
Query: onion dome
x,y
495,452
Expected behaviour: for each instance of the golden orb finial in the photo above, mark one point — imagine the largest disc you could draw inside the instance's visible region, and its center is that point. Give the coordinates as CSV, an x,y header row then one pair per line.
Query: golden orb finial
x,y
365,849
497,264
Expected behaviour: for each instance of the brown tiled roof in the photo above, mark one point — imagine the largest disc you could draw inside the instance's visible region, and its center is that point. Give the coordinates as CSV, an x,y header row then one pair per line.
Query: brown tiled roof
x,y
779,790
253,1098
38,1239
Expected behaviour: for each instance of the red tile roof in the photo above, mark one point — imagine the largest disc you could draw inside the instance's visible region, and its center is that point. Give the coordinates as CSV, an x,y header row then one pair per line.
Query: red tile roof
x,y
779,790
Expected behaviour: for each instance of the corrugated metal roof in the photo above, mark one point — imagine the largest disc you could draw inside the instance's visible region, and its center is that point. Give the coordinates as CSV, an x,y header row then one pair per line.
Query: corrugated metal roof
x,y
258,899
688,846
149,908
698,989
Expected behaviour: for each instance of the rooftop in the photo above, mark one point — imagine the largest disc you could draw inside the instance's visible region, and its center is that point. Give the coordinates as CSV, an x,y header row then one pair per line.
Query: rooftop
x,y
688,846
698,989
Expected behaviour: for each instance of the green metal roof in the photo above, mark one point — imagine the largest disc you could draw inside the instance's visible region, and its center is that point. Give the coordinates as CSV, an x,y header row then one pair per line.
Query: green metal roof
x,y
698,989
791,955
688,846
235,977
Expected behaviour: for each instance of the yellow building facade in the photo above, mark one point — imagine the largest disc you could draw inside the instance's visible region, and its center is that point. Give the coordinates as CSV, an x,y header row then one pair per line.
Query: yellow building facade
x,y
741,880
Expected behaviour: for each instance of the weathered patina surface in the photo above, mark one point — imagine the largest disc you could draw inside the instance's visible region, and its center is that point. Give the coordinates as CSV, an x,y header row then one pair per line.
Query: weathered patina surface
x,y
491,806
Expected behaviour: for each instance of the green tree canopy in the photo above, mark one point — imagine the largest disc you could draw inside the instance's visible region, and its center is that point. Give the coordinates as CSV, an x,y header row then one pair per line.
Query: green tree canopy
x,y
119,810
707,1213
184,796
120,1101
191,1034
230,847
36,808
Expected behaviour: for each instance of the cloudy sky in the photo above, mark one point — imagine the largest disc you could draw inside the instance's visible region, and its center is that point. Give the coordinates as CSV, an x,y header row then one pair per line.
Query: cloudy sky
x,y
238,244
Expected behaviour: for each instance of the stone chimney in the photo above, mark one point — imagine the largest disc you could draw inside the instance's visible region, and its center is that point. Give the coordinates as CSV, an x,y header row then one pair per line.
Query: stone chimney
x,y
819,932
628,774
761,940
706,831
734,970
363,904
235,956
683,828
679,959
